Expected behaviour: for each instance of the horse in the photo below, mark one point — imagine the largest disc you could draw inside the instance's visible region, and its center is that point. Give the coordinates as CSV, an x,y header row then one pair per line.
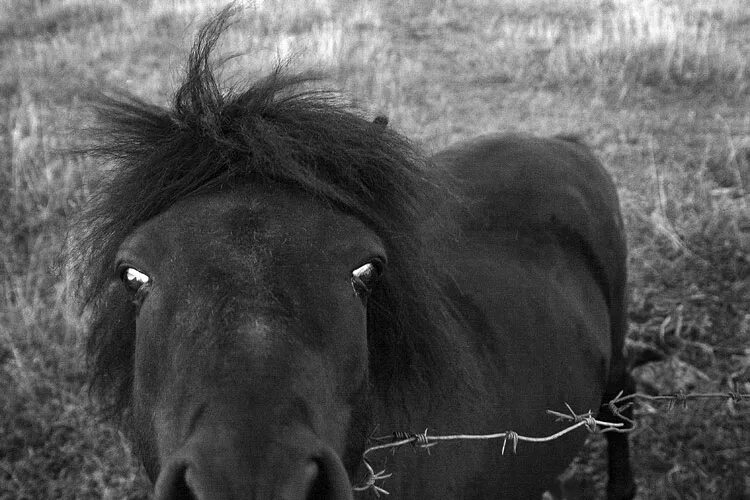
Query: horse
x,y
271,279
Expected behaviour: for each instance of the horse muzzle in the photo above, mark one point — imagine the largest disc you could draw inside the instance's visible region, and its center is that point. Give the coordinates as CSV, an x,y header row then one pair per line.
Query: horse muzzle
x,y
208,469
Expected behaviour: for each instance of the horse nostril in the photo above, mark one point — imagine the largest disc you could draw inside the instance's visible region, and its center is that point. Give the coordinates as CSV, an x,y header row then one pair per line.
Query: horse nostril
x,y
311,476
328,480
172,485
315,477
181,490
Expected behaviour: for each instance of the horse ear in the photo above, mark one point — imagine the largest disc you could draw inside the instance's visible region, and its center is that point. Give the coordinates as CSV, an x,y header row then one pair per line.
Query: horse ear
x,y
380,121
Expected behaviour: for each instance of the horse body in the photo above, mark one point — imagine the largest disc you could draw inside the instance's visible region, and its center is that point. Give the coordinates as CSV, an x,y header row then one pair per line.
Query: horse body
x,y
538,330
274,279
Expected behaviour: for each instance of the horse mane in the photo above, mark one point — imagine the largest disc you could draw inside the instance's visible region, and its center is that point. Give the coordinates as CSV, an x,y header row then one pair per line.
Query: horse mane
x,y
273,131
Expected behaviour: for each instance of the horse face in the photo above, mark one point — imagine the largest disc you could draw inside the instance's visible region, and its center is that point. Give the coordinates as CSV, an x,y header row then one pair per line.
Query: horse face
x,y
251,343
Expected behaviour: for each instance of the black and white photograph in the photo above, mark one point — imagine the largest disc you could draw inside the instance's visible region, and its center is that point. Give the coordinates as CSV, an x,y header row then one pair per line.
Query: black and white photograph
x,y
367,249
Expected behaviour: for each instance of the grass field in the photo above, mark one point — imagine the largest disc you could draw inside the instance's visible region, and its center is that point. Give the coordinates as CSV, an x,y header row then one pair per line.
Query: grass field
x,y
659,88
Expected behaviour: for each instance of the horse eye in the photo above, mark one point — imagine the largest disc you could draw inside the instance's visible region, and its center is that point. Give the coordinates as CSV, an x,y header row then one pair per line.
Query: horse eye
x,y
133,279
365,277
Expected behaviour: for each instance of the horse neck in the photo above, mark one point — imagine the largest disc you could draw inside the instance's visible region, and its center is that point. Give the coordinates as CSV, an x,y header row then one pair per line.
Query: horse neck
x,y
451,402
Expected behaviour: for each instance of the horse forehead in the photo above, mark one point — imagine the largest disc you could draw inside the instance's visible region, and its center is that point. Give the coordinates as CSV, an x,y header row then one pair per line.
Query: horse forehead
x,y
251,218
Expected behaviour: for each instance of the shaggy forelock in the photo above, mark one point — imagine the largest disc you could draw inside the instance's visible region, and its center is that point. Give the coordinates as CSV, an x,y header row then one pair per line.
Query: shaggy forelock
x,y
274,131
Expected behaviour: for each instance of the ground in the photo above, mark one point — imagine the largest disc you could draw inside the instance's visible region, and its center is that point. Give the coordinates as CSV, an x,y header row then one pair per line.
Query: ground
x,y
659,88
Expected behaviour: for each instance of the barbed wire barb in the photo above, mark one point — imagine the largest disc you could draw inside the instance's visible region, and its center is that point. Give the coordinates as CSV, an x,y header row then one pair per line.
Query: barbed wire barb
x,y
617,411
513,437
372,478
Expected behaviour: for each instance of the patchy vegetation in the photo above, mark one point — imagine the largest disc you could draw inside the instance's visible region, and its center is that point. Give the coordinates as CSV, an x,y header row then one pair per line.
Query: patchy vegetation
x,y
658,88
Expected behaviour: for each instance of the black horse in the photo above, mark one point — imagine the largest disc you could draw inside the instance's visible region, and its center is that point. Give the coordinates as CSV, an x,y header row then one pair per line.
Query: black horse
x,y
271,278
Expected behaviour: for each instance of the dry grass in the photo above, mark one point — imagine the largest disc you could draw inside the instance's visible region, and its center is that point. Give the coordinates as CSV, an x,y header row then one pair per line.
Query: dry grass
x,y
658,87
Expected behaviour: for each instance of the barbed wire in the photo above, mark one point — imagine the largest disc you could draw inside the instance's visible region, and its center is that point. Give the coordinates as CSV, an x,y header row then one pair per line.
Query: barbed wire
x,y
617,406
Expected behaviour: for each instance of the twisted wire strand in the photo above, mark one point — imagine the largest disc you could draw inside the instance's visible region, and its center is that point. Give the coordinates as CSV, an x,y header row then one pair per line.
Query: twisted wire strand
x,y
423,440
586,420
